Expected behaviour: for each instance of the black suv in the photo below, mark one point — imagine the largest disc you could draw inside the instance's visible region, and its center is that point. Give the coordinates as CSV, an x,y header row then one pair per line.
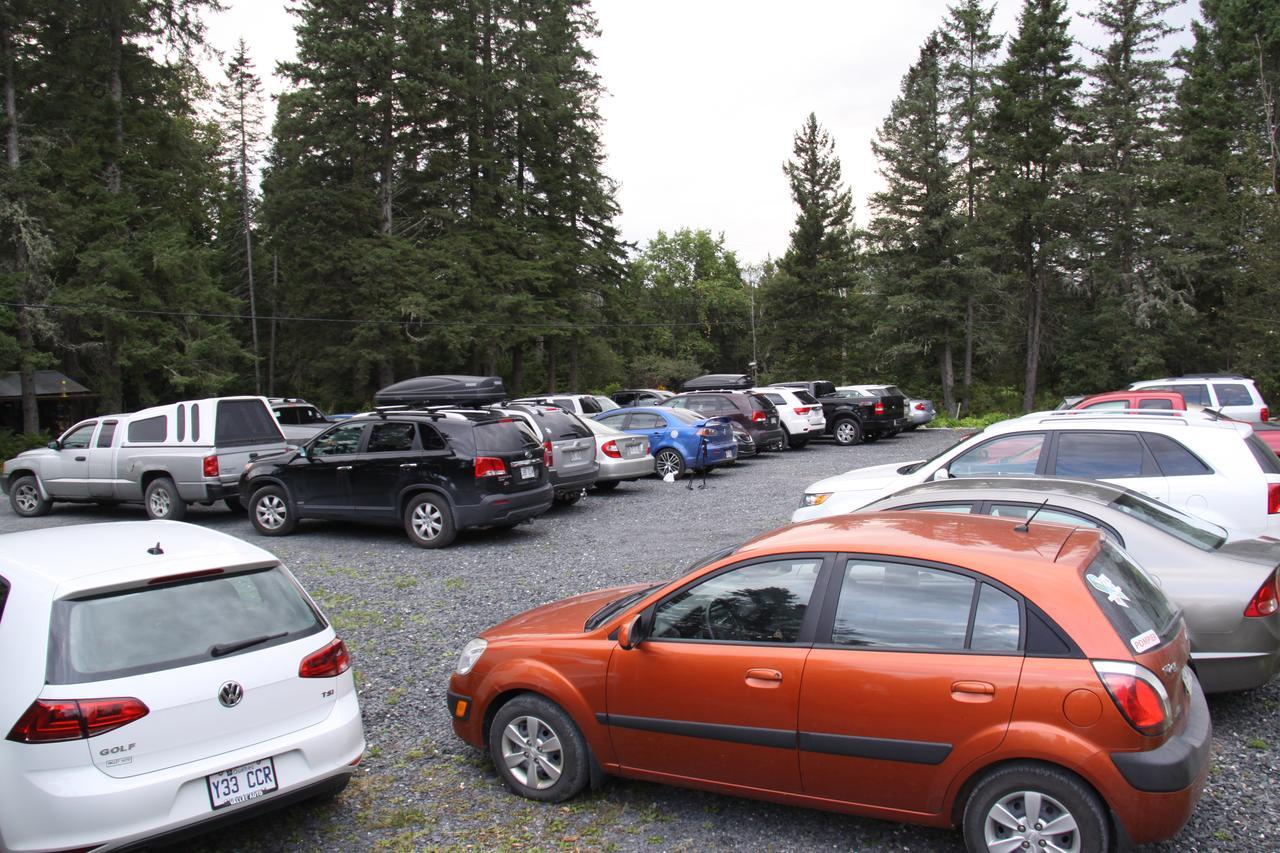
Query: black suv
x,y
754,412
854,417
435,473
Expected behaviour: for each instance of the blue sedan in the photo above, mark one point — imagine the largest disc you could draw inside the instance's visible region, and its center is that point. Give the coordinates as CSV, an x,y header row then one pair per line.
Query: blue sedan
x,y
678,438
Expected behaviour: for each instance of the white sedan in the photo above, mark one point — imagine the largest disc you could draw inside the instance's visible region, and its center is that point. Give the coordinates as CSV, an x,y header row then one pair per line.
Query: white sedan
x,y
160,677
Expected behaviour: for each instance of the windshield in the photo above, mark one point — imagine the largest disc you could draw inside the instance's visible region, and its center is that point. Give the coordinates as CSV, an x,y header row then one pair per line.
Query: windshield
x,y
916,466
618,604
1135,607
1193,531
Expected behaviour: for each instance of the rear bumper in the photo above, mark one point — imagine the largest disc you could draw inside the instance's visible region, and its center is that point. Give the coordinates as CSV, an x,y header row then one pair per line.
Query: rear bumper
x,y
626,469
881,427
768,439
574,482
1222,672
506,509
714,454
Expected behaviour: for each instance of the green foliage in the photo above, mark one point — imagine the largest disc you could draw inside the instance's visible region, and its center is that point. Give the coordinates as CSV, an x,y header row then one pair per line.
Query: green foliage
x,y
11,443
971,421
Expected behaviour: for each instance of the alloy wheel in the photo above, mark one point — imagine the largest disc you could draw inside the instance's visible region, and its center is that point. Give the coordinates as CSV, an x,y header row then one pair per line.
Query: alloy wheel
x,y
668,463
532,753
26,497
1030,820
271,512
427,521
160,503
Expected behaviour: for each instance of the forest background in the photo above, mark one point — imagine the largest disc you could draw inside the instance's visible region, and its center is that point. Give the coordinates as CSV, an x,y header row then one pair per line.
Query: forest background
x,y
431,198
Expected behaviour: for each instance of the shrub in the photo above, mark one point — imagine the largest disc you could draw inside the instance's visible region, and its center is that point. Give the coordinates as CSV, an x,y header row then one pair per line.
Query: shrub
x,y
11,443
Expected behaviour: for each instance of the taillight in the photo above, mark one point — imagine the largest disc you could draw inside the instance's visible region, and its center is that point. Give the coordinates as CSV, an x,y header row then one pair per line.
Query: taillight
x,y
759,417
1264,415
706,432
803,410
330,661
1273,498
546,455
879,407
1267,599
490,466
1138,694
52,720
211,466
610,448
919,407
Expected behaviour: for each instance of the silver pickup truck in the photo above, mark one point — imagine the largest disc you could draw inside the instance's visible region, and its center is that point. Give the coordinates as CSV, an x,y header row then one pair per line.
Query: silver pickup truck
x,y
164,457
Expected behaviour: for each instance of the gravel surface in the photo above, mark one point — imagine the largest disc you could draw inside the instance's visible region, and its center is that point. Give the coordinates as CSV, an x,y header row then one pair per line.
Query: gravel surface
x,y
405,614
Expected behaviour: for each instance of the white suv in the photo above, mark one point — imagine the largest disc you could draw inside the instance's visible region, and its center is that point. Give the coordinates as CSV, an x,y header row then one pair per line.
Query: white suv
x,y
799,411
1234,396
1195,461
160,677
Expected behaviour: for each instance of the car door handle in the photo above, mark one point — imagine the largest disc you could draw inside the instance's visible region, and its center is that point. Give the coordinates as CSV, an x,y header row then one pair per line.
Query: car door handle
x,y
973,691
764,678
409,465
344,467
81,458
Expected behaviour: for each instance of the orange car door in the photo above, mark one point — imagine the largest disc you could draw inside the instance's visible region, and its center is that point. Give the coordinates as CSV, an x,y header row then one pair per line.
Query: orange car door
x,y
913,676
711,693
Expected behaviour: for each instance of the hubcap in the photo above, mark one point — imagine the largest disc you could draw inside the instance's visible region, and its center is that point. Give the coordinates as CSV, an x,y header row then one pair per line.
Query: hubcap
x,y
26,497
160,503
271,512
846,431
427,521
668,463
1031,820
531,751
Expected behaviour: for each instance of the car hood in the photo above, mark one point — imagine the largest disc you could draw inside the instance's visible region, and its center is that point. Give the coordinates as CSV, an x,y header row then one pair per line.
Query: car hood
x,y
861,479
566,616
34,453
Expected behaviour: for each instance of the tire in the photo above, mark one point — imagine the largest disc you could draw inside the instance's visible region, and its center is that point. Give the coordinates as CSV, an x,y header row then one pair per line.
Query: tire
x,y
234,505
910,427
668,461
847,432
786,438
607,485
797,443
428,521
162,500
25,498
270,512
1005,793
537,749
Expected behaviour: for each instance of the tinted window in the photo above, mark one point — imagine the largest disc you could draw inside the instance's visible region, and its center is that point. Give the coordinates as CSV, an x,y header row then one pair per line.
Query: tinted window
x,y
1174,459
163,627
390,438
1132,603
149,429
1263,455
339,441
590,405
1156,403
684,416
963,509
624,397
777,399
561,425
1232,394
1108,405
760,603
430,439
107,435
195,421
504,437
909,607
1048,514
894,391
244,422
1194,531
996,623
805,397
646,420
1198,394
824,389
4,595
615,420
288,416
1093,456
182,423
1011,454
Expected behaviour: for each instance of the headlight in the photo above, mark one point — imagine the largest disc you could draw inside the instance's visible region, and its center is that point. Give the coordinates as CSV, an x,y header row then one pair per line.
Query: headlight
x,y
812,499
470,654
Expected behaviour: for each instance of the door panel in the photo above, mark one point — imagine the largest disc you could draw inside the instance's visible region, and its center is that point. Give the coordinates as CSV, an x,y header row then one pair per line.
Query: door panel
x,y
390,462
67,476
322,482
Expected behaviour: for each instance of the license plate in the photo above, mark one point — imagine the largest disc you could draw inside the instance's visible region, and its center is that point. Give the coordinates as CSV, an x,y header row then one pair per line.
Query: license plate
x,y
731,451
528,472
577,455
631,451
241,784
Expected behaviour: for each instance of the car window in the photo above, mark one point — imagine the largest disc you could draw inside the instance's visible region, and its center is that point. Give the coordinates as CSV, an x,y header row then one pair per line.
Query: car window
x,y
288,416
244,422
562,403
149,429
676,402
759,603
590,405
560,425
1132,603
1193,531
310,415
902,606
622,398
1232,394
646,420
1098,455
962,509
614,419
429,439
339,441
1108,405
507,436
1194,393
1047,514
4,596
683,416
1010,454
805,397
1263,455
78,438
1174,459
777,399
996,622
391,437
108,434
1156,403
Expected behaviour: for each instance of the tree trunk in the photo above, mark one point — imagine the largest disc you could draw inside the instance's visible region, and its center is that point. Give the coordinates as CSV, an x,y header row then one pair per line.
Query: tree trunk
x,y
114,171
26,334
1035,307
247,222
948,376
517,370
968,356
551,367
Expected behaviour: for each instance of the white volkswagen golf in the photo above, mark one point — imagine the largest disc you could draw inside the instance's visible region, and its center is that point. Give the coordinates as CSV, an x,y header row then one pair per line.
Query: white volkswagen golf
x,y
157,679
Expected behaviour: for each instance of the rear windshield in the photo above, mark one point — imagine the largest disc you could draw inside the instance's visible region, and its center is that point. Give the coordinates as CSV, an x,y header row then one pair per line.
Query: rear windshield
x,y
824,389
1265,456
561,425
505,437
686,416
805,397
1137,609
893,391
165,627
1193,531
245,422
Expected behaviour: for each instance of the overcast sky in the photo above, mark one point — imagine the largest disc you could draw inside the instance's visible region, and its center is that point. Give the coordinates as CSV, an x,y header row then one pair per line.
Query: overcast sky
x,y
704,96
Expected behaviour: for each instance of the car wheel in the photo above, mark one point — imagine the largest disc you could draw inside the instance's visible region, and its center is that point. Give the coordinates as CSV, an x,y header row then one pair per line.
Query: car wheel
x,y
797,443
428,521
910,428
270,513
668,461
568,498
607,485
234,505
538,750
1026,805
162,500
25,498
847,432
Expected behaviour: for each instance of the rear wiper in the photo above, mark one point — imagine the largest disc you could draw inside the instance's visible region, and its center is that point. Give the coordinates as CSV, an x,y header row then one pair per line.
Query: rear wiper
x,y
227,648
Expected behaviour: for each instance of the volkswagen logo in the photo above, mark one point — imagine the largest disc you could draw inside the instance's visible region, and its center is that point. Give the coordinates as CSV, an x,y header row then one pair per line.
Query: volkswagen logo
x,y
230,694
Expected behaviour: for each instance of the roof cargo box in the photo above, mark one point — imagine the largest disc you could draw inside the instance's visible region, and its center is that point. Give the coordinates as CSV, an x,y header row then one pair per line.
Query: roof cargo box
x,y
720,382
443,391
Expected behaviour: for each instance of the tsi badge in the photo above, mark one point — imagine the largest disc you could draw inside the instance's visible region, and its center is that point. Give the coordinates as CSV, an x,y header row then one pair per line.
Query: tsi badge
x,y
230,694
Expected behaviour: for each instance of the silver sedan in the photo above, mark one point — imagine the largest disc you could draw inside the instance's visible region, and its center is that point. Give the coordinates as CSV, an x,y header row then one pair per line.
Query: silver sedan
x,y
1227,591
623,457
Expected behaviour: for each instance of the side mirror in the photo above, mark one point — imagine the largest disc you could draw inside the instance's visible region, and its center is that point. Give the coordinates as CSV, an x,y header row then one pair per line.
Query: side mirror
x,y
941,474
630,634
55,445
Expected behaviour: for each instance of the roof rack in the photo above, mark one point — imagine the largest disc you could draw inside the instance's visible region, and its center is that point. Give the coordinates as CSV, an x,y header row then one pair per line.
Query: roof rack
x,y
1164,415
1209,376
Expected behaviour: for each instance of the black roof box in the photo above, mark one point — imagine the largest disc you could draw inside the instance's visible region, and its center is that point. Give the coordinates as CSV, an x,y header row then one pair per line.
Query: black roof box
x,y
720,382
443,391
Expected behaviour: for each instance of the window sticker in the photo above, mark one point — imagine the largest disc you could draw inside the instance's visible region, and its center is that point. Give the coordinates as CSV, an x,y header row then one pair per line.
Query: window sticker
x,y
1108,587
1145,640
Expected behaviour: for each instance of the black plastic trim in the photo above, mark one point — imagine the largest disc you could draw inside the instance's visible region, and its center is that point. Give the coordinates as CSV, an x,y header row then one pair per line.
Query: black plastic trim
x,y
885,749
1177,763
778,738
451,702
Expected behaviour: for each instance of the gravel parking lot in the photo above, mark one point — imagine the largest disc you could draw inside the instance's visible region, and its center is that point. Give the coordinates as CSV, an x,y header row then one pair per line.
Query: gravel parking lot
x,y
405,613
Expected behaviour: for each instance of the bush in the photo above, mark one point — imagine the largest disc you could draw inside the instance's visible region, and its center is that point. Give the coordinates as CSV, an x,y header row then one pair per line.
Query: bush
x,y
971,421
11,443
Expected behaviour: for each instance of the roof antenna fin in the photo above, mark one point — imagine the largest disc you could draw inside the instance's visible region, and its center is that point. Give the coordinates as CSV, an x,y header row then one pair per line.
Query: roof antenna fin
x,y
155,550
1026,525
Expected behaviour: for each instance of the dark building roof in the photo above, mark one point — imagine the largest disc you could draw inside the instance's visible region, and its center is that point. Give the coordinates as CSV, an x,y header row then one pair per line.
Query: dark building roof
x,y
49,383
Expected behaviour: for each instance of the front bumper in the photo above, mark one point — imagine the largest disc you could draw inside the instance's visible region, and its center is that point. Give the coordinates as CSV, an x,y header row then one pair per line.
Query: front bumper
x,y
4,483
505,508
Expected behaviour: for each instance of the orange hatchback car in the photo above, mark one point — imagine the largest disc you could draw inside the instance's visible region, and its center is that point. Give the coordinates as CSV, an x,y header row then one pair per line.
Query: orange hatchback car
x,y
1027,683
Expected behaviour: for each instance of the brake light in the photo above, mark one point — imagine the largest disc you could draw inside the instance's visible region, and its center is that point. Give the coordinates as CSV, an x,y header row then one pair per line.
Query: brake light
x,y
53,720
490,466
803,410
546,455
1138,694
1273,498
759,417
332,660
919,407
211,466
610,448
1267,599
879,407
1265,414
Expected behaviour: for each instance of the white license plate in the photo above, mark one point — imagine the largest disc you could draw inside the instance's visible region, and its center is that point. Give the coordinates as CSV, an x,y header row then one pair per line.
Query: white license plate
x,y
528,472
241,784
577,455
631,451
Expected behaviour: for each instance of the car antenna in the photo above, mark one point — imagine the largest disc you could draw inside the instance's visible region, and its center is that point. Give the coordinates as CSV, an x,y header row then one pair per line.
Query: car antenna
x,y
1026,525
156,550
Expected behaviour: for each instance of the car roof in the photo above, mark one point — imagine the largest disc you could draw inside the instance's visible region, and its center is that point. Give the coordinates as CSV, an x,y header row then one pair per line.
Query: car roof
x,y
1118,420
1096,491
98,556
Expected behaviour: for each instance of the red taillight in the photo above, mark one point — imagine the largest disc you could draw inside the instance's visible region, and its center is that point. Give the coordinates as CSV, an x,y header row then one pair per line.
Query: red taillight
x,y
1138,694
1264,415
330,661
879,407
610,448
803,410
1267,599
759,417
52,720
1273,498
211,466
490,466
919,407
546,455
